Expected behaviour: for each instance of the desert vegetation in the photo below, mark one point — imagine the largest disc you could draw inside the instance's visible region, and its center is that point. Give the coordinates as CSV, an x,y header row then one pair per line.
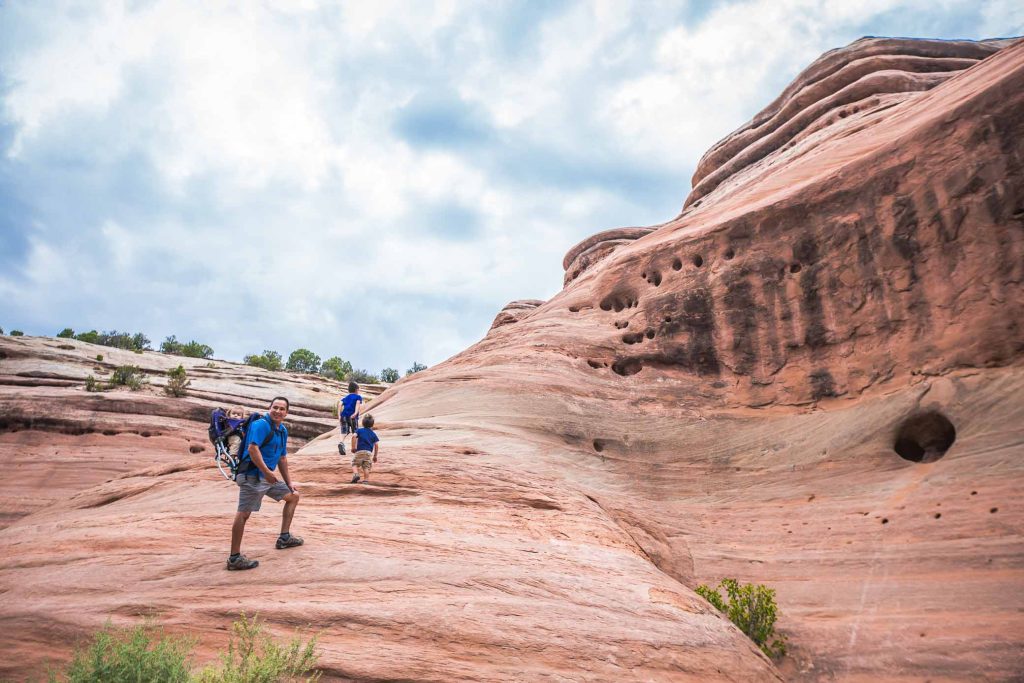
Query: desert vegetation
x,y
146,653
752,608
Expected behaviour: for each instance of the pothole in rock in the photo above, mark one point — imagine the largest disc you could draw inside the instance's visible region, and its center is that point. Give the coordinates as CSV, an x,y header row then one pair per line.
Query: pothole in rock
x,y
924,437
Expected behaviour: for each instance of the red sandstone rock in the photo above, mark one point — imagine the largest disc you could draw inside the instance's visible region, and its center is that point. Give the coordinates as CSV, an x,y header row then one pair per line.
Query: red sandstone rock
x,y
721,396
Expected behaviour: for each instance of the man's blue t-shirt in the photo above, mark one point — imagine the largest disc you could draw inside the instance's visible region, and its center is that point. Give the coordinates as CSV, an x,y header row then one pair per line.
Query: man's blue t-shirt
x,y
365,438
349,404
275,449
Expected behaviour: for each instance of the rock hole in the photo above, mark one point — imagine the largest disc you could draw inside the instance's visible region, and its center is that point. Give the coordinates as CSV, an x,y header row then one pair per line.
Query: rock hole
x,y
974,493
843,114
627,367
656,279
146,434
885,520
677,264
938,515
924,437
633,337
574,309
109,432
598,445
643,275
196,448
594,364
698,260
668,318
622,324
994,510
729,254
650,334
606,305
794,268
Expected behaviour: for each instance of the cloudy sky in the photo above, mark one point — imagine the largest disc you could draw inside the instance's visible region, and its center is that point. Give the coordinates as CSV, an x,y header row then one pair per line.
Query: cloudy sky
x,y
369,179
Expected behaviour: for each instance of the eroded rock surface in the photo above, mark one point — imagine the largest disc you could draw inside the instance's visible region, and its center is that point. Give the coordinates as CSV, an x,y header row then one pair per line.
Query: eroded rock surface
x,y
753,389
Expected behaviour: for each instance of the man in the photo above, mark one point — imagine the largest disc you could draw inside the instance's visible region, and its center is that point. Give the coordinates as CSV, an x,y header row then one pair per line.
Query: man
x,y
267,444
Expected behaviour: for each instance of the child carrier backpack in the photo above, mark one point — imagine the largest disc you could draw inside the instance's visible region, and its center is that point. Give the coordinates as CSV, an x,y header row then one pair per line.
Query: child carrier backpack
x,y
219,432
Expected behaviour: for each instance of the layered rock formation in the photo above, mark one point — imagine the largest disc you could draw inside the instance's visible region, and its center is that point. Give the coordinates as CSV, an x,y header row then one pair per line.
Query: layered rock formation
x,y
812,378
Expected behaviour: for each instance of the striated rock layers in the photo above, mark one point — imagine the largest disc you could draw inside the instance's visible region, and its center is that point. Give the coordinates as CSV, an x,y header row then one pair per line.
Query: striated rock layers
x,y
811,378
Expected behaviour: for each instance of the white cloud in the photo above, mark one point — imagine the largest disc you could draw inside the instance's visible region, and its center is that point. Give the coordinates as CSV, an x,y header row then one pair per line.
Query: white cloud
x,y
198,152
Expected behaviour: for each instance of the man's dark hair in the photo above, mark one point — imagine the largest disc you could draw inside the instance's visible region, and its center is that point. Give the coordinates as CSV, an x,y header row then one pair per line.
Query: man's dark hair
x,y
353,387
368,421
280,398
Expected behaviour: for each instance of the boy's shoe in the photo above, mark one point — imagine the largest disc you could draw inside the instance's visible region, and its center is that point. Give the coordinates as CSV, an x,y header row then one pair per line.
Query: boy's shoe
x,y
355,479
289,542
242,562
341,448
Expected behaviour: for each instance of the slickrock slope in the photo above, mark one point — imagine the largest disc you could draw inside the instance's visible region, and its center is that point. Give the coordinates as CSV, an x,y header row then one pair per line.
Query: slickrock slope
x,y
720,395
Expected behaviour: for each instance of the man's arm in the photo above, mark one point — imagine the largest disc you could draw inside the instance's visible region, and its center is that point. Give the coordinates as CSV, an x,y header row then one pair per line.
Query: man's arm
x,y
257,459
282,465
375,446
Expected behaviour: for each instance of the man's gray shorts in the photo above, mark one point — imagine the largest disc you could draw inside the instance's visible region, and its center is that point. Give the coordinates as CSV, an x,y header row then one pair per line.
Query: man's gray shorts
x,y
251,490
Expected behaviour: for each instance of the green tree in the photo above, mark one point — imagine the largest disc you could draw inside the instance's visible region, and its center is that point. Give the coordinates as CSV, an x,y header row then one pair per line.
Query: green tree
x,y
752,608
90,337
336,368
171,346
66,333
194,349
17,333
363,377
268,360
177,382
389,375
303,360
416,367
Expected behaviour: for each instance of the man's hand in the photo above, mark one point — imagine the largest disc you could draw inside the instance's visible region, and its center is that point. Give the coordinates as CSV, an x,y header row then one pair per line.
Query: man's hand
x,y
293,488
375,458
269,477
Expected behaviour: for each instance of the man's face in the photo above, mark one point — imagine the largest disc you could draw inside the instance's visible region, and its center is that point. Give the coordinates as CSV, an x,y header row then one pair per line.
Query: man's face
x,y
278,411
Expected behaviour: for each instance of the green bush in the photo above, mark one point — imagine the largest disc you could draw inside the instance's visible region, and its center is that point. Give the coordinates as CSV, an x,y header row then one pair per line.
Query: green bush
x,y
192,349
303,360
121,340
66,333
128,376
363,377
177,382
416,367
99,357
268,360
254,657
336,368
752,608
91,384
144,654
129,655
17,333
389,375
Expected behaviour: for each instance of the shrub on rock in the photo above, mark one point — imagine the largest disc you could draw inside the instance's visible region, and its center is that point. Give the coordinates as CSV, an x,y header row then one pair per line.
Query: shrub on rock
x,y
752,608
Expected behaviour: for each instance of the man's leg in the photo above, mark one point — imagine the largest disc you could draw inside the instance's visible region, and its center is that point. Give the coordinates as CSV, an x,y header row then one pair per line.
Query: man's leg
x,y
291,501
237,529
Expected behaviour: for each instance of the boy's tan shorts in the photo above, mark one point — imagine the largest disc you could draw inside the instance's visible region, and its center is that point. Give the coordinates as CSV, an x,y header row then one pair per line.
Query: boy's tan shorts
x,y
363,460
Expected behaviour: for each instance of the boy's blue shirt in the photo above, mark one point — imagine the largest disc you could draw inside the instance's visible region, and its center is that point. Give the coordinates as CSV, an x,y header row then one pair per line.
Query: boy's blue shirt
x,y
349,403
365,438
275,449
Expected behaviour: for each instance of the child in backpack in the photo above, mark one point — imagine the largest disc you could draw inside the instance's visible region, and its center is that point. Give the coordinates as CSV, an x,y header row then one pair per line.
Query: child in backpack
x,y
348,409
364,451
236,416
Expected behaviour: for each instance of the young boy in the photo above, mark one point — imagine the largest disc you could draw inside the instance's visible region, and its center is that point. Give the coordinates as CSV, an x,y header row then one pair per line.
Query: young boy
x,y
348,409
364,451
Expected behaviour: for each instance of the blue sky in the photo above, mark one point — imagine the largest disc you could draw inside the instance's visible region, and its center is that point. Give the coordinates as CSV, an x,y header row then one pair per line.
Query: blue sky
x,y
372,180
